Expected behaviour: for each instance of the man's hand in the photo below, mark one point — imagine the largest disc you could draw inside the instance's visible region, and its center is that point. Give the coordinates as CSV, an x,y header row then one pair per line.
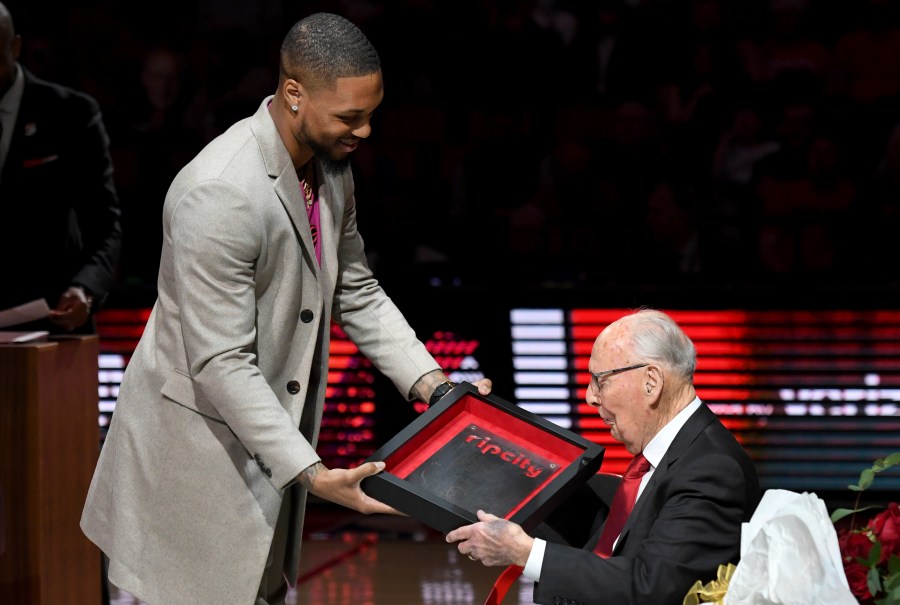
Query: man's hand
x,y
493,541
425,386
341,486
484,386
73,309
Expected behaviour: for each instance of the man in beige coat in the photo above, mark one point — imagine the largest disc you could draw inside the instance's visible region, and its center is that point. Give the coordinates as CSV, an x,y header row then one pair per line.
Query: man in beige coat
x,y
199,492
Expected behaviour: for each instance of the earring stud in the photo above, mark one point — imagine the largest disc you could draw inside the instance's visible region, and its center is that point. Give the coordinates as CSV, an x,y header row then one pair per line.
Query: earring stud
x,y
293,108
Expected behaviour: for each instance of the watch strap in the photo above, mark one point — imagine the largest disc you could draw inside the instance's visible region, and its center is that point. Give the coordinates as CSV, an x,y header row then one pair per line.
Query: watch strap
x,y
439,391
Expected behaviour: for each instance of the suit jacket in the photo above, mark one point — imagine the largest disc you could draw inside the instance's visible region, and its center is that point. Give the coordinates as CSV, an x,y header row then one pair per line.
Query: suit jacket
x,y
685,524
58,201
219,407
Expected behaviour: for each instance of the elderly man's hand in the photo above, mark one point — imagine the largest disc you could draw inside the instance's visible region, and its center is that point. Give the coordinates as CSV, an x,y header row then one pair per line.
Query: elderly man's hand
x,y
493,541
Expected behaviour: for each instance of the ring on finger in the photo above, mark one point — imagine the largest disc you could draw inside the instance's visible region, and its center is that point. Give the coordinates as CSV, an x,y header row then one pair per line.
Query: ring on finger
x,y
473,558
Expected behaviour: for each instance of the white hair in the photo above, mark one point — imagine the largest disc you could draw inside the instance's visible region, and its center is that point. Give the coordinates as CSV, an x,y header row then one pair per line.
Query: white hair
x,y
656,336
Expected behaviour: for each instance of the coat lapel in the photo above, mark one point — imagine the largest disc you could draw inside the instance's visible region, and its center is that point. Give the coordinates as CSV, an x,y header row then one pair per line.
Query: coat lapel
x,y
286,183
330,213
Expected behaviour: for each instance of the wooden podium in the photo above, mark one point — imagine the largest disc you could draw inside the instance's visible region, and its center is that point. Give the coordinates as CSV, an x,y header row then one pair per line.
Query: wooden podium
x,y
49,443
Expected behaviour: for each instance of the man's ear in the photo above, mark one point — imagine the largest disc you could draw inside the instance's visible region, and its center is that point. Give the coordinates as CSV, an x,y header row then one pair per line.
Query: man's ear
x,y
293,92
653,382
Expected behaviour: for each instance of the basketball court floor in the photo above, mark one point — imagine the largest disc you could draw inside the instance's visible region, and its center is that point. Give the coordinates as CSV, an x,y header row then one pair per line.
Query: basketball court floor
x,y
353,559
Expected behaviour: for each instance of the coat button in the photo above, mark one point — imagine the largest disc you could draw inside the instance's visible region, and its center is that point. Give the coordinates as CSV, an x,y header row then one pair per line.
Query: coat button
x,y
293,387
306,316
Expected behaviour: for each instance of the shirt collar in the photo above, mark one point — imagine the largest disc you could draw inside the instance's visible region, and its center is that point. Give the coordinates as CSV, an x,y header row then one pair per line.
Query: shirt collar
x,y
659,445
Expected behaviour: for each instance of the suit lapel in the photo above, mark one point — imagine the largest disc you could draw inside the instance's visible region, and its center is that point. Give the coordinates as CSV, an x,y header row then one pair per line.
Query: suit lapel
x,y
24,126
695,425
287,187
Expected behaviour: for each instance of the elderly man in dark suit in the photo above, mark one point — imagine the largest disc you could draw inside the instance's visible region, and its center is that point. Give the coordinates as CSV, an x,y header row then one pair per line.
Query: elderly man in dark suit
x,y
697,484
60,211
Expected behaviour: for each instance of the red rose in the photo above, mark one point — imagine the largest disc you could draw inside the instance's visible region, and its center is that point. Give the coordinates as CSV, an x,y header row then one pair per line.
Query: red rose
x,y
886,528
853,544
856,578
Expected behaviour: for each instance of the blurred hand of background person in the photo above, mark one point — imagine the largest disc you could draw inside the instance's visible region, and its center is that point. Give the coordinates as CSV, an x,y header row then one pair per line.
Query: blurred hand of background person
x,y
73,309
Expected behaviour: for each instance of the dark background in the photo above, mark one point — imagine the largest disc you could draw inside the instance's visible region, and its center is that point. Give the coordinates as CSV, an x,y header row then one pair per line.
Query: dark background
x,y
681,154
721,150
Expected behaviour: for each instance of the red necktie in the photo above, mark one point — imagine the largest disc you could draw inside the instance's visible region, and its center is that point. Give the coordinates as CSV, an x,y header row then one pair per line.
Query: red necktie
x,y
622,504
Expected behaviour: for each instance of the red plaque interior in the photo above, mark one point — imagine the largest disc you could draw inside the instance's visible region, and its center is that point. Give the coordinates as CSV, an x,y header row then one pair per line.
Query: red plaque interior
x,y
470,452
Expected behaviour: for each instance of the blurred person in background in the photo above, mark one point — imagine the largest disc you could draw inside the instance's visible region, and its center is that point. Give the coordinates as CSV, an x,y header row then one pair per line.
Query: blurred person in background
x,y
60,210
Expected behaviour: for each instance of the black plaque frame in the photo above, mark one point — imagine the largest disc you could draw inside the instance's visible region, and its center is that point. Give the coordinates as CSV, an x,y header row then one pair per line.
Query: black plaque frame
x,y
577,459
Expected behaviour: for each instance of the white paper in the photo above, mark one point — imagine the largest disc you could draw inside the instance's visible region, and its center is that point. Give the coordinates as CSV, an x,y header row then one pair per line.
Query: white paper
x,y
789,555
30,311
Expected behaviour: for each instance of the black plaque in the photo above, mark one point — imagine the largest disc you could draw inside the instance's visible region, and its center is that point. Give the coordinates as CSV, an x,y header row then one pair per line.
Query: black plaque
x,y
478,469
470,452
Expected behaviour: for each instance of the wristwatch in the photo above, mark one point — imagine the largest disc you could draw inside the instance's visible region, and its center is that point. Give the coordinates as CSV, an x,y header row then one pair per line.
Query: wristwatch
x,y
439,391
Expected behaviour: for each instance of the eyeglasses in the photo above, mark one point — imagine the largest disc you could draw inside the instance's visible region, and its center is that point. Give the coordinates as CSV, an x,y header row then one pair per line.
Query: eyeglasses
x,y
596,378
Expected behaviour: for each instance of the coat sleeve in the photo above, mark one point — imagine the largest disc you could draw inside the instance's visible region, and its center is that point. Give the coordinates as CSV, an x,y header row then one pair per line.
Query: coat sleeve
x,y
369,317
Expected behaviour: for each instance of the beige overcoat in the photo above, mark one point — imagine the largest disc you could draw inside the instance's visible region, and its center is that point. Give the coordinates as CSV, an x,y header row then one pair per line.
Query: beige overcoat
x,y
220,405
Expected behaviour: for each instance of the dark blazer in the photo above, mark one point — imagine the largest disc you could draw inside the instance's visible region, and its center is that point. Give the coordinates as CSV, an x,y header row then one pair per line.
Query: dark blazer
x,y
685,524
58,202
